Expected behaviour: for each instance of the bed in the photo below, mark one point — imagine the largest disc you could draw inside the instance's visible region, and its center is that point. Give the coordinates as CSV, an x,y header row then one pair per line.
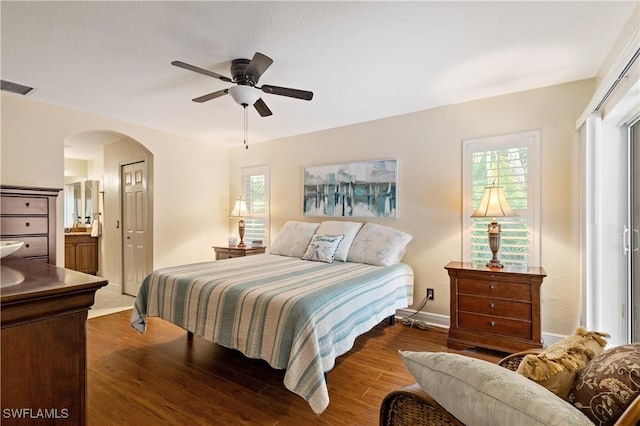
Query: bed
x,y
296,314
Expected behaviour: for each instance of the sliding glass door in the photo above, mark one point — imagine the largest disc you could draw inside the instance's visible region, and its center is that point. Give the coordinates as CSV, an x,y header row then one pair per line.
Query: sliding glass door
x,y
632,244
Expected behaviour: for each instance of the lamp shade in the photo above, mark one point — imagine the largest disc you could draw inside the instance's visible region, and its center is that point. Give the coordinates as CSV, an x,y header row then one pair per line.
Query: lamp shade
x,y
244,95
493,204
239,209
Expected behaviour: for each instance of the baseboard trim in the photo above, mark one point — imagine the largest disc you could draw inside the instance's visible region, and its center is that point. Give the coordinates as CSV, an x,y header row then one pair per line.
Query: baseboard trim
x,y
438,320
431,319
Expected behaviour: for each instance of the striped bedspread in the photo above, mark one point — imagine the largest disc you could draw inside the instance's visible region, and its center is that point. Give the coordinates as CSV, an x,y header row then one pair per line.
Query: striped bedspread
x,y
295,314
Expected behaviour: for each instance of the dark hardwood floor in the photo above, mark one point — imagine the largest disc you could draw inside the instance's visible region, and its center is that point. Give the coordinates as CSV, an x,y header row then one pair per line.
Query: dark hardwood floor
x,y
161,378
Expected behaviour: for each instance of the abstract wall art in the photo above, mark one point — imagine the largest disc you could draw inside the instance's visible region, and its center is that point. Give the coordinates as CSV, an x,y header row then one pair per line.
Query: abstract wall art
x,y
364,189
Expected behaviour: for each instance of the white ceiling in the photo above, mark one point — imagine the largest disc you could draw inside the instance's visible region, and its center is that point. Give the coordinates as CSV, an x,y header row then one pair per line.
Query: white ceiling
x,y
362,60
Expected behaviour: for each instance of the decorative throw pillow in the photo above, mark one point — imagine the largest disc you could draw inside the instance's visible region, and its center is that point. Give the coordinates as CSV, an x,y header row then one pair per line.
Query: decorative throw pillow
x,y
293,238
322,248
379,245
478,392
348,229
608,384
557,366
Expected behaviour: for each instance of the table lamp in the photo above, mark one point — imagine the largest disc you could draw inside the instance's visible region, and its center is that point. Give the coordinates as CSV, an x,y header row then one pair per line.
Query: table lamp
x,y
494,204
240,211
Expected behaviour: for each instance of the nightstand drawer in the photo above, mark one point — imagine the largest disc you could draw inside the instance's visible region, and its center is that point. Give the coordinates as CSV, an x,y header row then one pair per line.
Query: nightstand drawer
x,y
24,225
231,252
496,325
24,205
504,290
496,307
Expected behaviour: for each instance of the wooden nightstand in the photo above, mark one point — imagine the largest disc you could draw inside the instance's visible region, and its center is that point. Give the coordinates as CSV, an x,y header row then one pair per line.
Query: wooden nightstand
x,y
495,308
229,252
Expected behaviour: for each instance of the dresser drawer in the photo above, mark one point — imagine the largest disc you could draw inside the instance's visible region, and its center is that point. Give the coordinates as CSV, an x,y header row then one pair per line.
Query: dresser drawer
x,y
24,225
33,246
24,205
495,325
496,307
504,290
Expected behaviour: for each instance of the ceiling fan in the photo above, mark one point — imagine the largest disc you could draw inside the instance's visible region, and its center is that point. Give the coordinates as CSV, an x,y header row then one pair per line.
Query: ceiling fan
x,y
245,74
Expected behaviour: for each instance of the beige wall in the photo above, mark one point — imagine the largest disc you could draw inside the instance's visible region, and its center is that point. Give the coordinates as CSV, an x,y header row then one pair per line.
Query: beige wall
x,y
191,177
429,149
191,195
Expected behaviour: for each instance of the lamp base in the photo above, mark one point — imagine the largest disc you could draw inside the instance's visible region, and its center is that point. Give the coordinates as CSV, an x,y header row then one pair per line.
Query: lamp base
x,y
494,244
494,264
241,225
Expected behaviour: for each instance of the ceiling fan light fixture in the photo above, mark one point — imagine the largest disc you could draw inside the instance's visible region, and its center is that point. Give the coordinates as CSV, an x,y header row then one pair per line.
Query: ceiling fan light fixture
x,y
244,95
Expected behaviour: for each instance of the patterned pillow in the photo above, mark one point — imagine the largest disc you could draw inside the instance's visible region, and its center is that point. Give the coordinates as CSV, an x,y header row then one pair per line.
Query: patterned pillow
x,y
379,245
608,384
293,239
323,248
478,392
557,366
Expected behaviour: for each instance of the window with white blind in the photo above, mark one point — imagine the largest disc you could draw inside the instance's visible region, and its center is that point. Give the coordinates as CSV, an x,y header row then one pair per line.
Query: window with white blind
x,y
255,190
513,162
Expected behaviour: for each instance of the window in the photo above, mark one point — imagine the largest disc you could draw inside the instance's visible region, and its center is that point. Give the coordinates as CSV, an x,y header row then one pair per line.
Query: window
x,y
255,190
511,161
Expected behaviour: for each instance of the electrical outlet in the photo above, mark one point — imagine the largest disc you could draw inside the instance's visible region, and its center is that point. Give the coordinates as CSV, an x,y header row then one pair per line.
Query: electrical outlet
x,y
430,294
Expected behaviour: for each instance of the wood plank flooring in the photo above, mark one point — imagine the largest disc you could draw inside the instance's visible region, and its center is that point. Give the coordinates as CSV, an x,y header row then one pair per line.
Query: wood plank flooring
x,y
162,378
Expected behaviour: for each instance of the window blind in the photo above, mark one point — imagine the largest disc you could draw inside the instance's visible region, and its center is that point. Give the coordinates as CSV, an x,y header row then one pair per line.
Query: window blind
x,y
256,193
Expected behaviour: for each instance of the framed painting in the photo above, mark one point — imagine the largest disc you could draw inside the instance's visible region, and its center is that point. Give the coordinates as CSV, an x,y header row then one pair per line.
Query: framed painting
x,y
364,189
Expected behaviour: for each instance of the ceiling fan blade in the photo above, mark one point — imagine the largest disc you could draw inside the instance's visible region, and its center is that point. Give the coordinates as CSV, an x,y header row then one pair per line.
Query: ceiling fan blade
x,y
190,67
208,97
262,108
285,91
258,66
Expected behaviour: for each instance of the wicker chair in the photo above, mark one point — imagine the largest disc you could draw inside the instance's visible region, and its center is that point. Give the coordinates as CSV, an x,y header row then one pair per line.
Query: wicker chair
x,y
412,406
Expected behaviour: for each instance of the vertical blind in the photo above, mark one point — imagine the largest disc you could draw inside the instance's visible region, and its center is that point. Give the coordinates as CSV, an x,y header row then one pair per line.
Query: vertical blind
x,y
506,167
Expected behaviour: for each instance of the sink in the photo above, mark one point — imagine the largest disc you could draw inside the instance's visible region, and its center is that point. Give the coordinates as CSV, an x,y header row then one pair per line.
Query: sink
x,y
9,276
8,247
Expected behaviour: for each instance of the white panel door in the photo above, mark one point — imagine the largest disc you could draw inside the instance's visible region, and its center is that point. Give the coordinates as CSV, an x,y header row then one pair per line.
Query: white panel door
x,y
134,223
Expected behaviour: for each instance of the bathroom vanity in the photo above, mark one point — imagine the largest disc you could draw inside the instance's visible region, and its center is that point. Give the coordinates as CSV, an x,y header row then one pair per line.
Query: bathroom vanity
x,y
81,252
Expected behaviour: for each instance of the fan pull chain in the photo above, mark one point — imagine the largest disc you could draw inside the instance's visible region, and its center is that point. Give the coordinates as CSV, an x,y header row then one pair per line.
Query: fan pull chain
x,y
246,127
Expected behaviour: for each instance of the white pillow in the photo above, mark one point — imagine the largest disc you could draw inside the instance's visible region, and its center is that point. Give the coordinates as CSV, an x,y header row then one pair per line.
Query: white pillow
x,y
322,248
348,229
478,392
379,245
293,238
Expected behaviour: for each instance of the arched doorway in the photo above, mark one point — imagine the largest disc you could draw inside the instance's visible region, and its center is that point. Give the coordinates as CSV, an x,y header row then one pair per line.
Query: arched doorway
x,y
107,154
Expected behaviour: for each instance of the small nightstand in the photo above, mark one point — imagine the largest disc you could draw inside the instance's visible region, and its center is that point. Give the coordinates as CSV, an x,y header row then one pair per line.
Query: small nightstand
x,y
229,252
495,308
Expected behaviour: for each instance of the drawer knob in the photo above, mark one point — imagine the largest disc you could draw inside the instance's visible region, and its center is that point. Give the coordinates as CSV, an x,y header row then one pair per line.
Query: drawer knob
x,y
492,323
26,204
492,287
27,224
492,305
26,245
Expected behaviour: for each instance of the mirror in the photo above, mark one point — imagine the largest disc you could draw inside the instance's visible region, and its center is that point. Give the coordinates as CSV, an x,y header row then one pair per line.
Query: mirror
x,y
79,201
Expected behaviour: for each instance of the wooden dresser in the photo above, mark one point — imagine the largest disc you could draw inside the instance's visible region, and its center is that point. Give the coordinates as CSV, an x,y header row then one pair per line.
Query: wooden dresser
x,y
29,215
43,313
495,308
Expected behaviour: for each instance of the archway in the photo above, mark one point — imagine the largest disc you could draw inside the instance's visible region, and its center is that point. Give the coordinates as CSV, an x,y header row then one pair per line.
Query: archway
x,y
105,152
